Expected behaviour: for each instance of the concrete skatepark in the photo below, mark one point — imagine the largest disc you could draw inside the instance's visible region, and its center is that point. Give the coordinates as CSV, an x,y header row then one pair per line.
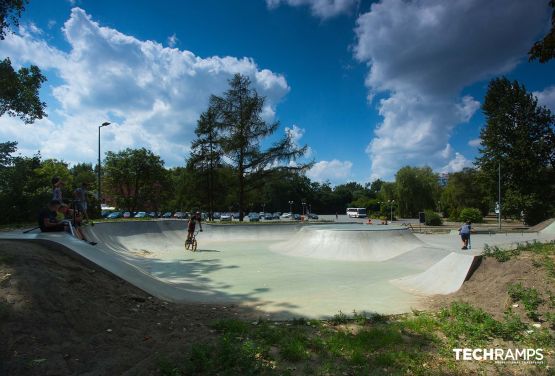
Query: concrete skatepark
x,y
285,270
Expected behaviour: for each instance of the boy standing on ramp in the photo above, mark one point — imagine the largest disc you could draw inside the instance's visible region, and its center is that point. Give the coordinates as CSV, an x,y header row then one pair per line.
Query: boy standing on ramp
x,y
464,231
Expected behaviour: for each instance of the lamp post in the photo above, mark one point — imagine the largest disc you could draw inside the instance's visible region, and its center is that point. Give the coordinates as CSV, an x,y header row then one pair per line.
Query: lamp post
x,y
105,124
304,205
391,203
291,207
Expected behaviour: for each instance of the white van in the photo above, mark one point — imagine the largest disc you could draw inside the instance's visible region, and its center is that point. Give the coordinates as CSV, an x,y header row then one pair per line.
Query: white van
x,y
356,212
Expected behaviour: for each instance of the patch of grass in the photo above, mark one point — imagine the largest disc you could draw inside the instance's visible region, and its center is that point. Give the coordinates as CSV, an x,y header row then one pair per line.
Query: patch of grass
x,y
529,297
7,259
463,323
501,255
339,318
294,349
5,310
420,343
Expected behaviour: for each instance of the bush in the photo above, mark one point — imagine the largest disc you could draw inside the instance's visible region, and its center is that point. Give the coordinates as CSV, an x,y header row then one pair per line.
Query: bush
x,y
471,215
432,218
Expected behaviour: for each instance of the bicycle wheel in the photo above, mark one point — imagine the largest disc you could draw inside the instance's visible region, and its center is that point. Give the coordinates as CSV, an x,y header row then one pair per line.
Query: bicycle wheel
x,y
187,245
194,245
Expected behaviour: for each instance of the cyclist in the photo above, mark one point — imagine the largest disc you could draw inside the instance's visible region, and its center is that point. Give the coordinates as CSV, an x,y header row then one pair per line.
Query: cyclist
x,y
196,217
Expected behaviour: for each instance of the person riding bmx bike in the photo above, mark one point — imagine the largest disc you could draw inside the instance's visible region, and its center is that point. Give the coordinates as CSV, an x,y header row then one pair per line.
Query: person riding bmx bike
x,y
191,226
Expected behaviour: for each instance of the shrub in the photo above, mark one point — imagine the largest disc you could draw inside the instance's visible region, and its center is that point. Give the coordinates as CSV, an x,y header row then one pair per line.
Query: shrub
x,y
471,215
432,218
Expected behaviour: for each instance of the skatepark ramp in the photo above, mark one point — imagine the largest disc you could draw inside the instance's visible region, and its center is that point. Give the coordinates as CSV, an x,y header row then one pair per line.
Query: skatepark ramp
x,y
349,243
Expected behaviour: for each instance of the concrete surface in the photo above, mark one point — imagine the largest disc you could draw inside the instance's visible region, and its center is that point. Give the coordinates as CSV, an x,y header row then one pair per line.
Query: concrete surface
x,y
285,270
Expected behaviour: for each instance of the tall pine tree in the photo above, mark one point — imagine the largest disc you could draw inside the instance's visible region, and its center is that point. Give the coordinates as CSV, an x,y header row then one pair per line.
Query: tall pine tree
x,y
519,136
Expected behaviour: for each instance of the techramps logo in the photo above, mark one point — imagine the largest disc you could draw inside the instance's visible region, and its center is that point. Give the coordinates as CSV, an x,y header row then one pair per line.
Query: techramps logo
x,y
501,356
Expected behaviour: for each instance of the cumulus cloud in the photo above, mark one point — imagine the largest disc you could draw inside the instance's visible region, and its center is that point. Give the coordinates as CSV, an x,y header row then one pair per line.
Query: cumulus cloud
x,y
323,9
152,94
475,142
172,40
296,133
335,171
546,97
456,164
422,53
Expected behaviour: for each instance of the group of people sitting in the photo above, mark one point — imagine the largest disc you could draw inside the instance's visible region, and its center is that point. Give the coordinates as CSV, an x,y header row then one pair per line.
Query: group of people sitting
x,y
58,216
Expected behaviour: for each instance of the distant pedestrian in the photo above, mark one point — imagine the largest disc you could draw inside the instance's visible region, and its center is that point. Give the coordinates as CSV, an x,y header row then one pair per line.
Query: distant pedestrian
x,y
57,185
464,232
80,195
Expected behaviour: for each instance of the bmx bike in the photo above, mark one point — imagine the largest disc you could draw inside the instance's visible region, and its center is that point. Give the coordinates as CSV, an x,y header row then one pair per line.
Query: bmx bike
x,y
191,244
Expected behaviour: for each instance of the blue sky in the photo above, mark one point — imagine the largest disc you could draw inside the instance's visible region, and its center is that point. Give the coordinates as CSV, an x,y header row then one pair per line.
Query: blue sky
x,y
369,86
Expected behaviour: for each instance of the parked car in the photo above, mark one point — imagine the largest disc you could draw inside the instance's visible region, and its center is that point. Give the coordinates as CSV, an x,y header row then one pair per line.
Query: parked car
x,y
254,217
141,215
127,215
114,215
225,217
312,216
286,216
180,215
167,215
276,215
268,216
216,215
296,217
235,215
152,214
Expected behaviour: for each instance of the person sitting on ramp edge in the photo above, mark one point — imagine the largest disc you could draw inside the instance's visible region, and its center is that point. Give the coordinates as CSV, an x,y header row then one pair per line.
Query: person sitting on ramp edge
x,y
48,221
192,224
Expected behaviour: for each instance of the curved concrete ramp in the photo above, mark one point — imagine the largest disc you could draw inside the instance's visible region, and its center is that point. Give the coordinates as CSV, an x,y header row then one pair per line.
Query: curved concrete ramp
x,y
354,243
444,277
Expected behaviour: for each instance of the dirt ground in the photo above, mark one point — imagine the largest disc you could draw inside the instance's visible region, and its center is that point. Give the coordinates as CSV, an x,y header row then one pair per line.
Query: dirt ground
x,y
487,286
60,317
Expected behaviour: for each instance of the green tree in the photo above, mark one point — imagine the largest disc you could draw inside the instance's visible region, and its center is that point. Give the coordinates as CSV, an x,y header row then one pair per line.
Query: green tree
x,y
417,189
206,154
6,151
135,178
242,130
10,12
465,189
19,91
518,136
544,50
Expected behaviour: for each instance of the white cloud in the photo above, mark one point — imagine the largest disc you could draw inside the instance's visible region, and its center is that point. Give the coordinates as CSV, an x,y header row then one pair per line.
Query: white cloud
x,y
423,53
296,133
475,142
172,40
456,164
335,171
320,8
152,94
546,97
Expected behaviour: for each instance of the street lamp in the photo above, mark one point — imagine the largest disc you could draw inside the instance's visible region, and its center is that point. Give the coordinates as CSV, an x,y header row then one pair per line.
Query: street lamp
x,y
105,124
303,204
391,202
291,207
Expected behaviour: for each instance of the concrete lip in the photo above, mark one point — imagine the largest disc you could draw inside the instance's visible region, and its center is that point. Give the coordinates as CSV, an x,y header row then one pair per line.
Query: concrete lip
x,y
283,270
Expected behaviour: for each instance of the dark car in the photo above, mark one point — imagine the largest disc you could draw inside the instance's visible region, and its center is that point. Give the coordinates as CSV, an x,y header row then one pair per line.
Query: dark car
x,y
152,214
268,216
167,215
296,217
180,215
276,215
114,215
312,216
254,217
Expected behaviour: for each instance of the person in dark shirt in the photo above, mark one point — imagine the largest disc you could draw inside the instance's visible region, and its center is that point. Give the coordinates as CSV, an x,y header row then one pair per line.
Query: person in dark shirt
x,y
48,221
